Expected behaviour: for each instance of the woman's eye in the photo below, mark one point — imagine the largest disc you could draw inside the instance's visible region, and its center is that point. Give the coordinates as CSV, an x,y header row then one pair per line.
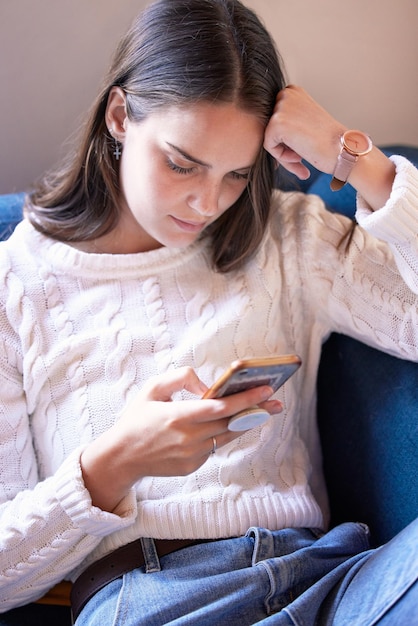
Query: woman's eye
x,y
179,169
239,176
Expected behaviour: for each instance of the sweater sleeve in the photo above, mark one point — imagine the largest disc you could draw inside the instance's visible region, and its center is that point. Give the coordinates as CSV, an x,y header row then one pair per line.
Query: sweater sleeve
x,y
363,282
47,527
397,222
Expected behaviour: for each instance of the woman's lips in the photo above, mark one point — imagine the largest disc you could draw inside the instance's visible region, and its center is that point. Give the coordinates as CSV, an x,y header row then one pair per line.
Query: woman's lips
x,y
189,226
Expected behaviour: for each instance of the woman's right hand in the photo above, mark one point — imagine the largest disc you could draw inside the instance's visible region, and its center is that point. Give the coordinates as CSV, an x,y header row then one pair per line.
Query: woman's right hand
x,y
156,436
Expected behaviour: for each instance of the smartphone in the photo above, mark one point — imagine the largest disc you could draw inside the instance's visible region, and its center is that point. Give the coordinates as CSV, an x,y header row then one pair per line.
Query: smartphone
x,y
244,374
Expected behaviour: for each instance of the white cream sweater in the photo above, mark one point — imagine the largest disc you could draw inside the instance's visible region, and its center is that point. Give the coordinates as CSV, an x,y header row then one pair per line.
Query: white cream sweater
x,y
80,333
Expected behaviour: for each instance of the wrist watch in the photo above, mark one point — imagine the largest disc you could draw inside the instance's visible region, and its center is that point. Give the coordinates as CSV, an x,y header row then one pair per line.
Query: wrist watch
x,y
354,145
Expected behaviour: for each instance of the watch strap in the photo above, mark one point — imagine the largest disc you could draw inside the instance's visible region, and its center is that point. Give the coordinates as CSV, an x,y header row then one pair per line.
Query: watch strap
x,y
345,163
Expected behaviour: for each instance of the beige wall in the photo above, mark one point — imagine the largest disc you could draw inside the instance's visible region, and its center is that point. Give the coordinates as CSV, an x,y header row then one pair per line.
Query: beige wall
x,y
358,58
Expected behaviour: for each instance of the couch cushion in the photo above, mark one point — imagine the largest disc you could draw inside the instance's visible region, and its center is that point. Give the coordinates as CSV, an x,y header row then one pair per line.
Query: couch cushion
x,y
11,211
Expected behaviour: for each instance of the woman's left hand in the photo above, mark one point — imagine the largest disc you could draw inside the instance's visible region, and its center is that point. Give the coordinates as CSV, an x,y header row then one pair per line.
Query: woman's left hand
x,y
301,129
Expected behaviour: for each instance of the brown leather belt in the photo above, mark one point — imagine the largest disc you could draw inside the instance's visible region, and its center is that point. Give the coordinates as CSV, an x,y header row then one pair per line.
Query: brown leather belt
x,y
116,564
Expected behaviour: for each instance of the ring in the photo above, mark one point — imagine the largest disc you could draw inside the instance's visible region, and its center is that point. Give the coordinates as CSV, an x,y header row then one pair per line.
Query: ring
x,y
214,445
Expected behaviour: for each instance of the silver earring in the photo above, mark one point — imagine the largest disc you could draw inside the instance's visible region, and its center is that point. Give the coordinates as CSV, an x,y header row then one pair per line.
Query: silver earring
x,y
117,145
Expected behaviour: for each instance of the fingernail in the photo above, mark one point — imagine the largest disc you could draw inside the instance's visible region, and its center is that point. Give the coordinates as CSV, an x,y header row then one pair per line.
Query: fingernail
x,y
266,393
277,406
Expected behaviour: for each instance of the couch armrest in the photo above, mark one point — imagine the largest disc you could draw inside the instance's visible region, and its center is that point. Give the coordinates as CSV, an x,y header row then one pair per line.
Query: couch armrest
x,y
368,420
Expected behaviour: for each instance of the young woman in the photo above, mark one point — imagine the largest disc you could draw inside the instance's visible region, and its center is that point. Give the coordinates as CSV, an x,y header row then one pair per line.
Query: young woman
x,y
153,258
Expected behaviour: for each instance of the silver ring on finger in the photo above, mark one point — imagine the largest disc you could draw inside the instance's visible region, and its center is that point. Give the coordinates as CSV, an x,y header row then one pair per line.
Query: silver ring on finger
x,y
214,445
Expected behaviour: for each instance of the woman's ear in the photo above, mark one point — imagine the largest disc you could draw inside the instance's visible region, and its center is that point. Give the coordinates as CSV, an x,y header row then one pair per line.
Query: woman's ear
x,y
116,114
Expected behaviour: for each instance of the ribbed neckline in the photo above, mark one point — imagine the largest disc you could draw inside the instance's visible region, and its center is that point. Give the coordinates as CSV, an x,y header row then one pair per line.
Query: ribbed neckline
x,y
65,258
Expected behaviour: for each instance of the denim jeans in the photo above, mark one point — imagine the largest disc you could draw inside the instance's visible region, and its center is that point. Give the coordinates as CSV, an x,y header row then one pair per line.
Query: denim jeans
x,y
281,578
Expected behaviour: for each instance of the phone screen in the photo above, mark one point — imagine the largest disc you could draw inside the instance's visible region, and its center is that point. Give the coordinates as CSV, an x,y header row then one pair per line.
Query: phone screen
x,y
247,373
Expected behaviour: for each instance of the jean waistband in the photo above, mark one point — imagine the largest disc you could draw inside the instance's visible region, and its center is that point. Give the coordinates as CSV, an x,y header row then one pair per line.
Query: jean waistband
x,y
116,564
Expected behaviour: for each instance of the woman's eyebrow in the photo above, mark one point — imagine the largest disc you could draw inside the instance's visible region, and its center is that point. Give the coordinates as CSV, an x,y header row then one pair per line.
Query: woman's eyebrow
x,y
189,157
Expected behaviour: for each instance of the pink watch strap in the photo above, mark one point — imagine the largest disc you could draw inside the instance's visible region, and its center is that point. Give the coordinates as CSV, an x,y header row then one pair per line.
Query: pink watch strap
x,y
345,163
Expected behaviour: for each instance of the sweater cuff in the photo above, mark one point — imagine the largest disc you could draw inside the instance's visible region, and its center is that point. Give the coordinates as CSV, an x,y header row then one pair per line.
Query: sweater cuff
x,y
75,500
397,221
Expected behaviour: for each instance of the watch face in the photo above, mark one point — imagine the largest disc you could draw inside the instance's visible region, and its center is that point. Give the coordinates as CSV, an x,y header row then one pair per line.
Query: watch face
x,y
356,142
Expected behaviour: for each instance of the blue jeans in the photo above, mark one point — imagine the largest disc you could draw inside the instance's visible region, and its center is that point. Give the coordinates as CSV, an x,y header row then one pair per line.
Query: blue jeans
x,y
281,578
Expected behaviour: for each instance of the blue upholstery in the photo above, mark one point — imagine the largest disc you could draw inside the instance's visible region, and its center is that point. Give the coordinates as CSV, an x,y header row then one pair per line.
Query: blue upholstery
x,y
11,206
367,414
368,417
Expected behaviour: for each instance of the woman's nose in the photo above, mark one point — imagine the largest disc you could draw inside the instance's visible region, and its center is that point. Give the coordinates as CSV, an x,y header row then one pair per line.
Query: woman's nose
x,y
205,200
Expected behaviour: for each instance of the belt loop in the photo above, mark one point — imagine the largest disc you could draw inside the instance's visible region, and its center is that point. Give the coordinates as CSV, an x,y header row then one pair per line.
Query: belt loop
x,y
152,562
263,544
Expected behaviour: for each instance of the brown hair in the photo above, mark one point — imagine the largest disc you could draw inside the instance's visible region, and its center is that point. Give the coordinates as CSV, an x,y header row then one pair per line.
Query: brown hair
x,y
177,52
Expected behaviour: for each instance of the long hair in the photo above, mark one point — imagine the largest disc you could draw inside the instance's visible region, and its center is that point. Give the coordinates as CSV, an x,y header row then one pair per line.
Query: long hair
x,y
176,52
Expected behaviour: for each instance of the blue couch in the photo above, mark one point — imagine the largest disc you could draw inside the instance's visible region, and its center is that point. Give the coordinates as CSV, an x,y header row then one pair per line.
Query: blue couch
x,y
367,414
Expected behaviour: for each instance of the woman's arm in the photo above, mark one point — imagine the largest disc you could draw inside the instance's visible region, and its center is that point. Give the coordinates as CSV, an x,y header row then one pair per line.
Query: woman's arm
x,y
387,187
47,526
301,129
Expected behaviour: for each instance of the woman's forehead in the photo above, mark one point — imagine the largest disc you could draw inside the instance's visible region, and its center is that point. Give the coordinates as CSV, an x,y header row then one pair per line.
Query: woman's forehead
x,y
204,130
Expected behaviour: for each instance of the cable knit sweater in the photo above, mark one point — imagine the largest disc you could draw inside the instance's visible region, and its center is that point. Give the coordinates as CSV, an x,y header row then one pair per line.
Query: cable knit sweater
x,y
81,332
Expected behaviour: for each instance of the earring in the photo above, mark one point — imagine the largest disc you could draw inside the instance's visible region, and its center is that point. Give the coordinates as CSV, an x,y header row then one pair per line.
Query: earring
x,y
117,145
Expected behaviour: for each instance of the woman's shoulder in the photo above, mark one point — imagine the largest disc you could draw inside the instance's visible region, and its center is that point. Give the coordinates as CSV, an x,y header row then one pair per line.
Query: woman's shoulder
x,y
291,203
303,228
24,242
296,209
290,206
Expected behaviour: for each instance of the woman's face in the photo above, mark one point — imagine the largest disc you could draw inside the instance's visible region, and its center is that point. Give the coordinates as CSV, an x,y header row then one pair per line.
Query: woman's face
x,y
180,169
